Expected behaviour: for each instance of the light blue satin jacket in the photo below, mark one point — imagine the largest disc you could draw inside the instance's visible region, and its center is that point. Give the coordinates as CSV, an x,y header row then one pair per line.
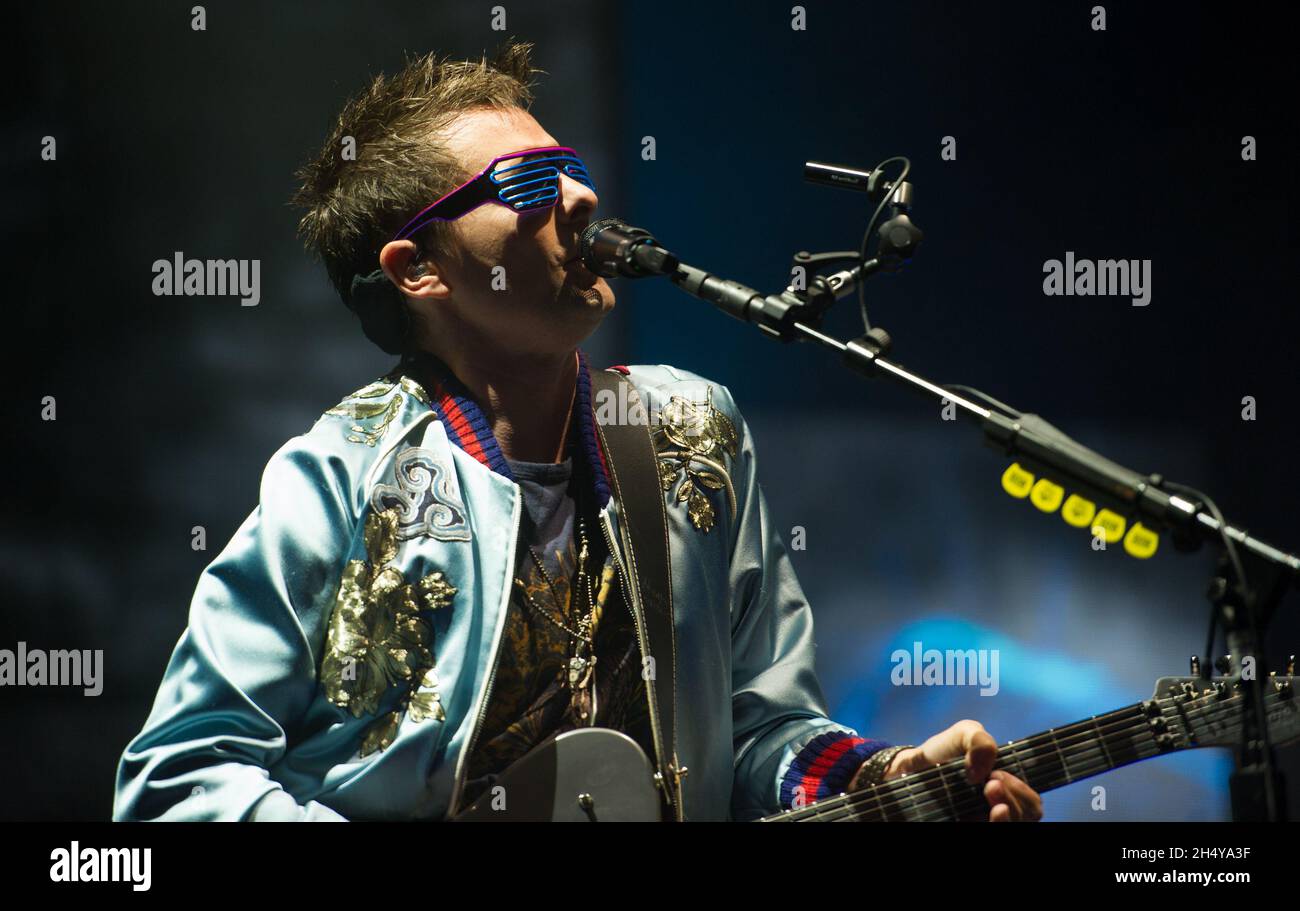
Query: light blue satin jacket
x,y
290,697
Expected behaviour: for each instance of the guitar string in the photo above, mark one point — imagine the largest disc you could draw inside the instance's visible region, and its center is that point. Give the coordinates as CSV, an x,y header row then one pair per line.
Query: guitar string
x,y
966,805
845,806
1083,765
1010,751
904,789
1094,759
971,797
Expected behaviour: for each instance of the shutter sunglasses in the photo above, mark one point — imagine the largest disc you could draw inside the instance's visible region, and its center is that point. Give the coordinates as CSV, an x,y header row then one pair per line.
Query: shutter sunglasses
x,y
524,181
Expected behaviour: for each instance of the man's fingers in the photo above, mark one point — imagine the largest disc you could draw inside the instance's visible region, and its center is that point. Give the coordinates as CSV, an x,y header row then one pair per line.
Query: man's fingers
x,y
1011,799
1030,803
981,751
996,793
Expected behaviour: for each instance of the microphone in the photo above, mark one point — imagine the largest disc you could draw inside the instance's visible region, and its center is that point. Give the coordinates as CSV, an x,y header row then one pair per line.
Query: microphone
x,y
611,247
873,183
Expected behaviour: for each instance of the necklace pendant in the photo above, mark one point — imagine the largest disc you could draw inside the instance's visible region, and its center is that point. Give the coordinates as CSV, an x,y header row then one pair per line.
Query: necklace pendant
x,y
576,666
580,670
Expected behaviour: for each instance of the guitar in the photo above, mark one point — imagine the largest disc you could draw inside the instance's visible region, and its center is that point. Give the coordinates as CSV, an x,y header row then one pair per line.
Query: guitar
x,y
601,775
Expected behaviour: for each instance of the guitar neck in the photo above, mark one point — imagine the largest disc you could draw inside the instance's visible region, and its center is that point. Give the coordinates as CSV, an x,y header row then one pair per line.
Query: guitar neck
x,y
1045,761
1062,756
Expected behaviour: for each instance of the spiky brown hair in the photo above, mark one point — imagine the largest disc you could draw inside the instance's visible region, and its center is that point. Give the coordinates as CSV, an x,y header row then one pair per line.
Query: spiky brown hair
x,y
354,207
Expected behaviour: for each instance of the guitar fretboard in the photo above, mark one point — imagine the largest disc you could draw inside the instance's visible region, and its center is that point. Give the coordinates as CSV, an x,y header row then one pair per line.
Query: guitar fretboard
x,y
1052,759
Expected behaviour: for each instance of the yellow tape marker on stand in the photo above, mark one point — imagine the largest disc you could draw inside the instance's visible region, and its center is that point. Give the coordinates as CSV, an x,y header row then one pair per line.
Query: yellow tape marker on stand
x,y
1111,525
1077,511
1016,481
1141,542
1046,495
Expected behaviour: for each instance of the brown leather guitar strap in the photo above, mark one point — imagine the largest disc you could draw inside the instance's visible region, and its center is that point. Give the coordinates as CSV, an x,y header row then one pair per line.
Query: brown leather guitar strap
x,y
634,481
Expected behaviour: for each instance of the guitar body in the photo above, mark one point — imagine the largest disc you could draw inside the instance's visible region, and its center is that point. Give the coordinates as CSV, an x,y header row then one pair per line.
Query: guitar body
x,y
587,775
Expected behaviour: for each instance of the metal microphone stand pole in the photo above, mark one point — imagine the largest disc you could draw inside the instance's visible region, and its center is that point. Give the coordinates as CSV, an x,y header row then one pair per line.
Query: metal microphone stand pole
x,y
795,315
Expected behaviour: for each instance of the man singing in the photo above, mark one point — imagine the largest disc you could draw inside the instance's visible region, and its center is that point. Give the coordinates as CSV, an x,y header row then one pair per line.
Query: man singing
x,y
438,576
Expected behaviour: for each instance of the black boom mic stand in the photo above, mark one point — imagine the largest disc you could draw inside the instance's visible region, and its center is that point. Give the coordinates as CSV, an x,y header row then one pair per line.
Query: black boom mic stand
x,y
795,314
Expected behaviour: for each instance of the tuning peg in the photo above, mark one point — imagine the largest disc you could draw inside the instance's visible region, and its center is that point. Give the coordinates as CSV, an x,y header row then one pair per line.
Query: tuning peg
x,y
1196,665
1223,665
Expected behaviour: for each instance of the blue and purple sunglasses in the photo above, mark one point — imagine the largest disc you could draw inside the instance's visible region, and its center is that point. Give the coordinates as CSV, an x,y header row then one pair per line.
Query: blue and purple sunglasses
x,y
531,184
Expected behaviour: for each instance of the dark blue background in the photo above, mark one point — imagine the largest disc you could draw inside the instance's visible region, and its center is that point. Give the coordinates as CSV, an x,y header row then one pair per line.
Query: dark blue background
x,y
1120,144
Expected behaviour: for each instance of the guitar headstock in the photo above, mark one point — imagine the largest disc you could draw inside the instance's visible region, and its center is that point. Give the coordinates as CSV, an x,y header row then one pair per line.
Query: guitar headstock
x,y
1189,712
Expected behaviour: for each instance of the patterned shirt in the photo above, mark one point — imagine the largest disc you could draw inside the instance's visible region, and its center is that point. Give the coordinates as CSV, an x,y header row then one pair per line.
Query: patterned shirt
x,y
531,699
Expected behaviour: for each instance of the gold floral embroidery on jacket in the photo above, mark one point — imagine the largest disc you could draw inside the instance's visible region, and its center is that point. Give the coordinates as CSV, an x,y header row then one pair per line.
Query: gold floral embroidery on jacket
x,y
379,638
371,409
690,438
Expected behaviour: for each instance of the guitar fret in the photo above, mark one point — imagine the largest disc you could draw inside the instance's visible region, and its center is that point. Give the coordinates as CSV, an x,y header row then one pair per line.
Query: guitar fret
x,y
911,795
895,810
1045,764
1101,739
1065,767
880,804
947,792
1041,771
1015,754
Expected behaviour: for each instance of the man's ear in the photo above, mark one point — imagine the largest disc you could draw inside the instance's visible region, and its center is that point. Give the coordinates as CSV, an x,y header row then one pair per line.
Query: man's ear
x,y
414,276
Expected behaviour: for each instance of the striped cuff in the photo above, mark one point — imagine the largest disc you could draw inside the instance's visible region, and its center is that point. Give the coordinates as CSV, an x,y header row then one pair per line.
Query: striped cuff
x,y
825,766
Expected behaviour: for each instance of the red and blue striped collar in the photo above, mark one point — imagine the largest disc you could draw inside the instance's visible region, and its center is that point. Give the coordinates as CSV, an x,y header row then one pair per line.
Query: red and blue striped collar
x,y
468,427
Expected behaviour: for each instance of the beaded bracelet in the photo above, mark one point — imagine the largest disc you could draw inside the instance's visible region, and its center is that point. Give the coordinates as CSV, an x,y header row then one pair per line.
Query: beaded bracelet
x,y
873,770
